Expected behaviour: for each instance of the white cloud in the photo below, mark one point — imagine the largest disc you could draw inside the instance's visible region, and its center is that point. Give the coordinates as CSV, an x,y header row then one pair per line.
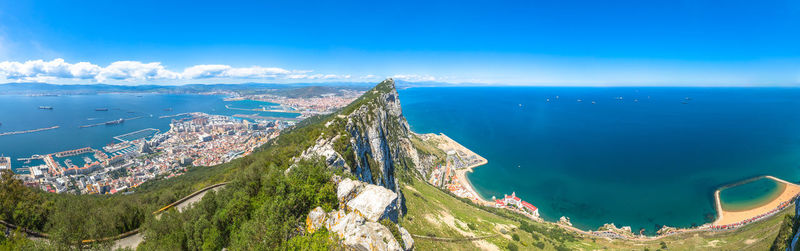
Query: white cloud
x,y
414,77
205,71
134,70
58,69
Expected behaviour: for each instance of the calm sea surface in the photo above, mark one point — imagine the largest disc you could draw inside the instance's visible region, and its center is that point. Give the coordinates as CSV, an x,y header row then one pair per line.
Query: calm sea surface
x,y
640,164
70,112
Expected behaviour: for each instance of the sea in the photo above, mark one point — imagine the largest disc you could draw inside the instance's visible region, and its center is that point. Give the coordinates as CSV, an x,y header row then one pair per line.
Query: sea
x,y
70,112
642,157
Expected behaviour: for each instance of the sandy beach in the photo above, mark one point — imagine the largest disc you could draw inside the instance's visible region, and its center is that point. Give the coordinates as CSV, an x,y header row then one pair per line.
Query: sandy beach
x,y
731,217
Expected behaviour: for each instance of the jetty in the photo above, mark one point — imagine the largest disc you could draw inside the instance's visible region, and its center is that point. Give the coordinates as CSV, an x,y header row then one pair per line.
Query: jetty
x,y
176,115
29,131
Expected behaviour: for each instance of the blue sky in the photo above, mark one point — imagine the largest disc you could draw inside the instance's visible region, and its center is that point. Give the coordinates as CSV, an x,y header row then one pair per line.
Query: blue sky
x,y
707,43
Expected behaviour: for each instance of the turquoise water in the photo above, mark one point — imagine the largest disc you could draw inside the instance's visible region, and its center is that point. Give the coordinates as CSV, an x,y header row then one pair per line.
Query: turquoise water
x,y
642,164
70,112
750,194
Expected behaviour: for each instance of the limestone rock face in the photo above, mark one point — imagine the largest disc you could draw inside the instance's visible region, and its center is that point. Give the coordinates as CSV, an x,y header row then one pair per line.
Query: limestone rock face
x,y
376,139
358,226
408,242
324,148
375,203
347,189
360,234
315,220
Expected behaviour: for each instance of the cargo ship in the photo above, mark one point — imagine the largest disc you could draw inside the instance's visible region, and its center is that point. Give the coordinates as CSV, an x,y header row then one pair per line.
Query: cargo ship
x,y
101,109
115,122
46,107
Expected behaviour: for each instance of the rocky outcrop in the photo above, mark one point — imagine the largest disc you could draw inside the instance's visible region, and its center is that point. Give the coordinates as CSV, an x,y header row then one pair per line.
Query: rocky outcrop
x,y
378,141
375,203
357,226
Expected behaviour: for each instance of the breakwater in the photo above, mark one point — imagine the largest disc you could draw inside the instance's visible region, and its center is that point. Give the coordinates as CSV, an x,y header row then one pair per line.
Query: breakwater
x,y
29,131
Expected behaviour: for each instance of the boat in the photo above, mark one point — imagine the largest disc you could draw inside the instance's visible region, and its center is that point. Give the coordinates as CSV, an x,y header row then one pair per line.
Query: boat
x,y
594,102
580,100
114,122
46,107
101,109
167,109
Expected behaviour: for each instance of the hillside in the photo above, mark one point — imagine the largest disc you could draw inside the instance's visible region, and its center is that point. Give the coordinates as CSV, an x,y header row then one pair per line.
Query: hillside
x,y
353,179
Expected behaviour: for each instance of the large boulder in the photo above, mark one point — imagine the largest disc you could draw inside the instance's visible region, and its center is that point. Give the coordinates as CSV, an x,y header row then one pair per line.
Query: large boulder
x,y
356,223
347,189
375,203
315,220
360,234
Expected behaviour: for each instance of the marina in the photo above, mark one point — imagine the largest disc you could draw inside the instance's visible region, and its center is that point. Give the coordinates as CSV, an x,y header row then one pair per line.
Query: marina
x,y
137,134
257,116
263,109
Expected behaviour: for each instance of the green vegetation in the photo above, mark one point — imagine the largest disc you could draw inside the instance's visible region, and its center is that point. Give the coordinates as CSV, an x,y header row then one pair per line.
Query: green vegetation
x,y
395,231
788,228
260,209
264,206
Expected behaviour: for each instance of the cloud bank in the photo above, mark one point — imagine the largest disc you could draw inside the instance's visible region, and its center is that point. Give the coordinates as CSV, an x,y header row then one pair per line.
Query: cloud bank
x,y
58,69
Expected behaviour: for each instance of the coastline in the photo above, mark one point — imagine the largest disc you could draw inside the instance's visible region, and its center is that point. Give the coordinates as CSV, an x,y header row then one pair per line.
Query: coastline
x,y
446,144
726,220
729,217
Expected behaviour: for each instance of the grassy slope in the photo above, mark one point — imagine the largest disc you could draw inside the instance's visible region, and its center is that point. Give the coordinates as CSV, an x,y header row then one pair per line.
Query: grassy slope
x,y
429,208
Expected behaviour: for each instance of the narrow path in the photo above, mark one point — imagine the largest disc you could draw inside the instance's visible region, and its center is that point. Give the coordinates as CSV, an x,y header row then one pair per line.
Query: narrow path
x,y
433,238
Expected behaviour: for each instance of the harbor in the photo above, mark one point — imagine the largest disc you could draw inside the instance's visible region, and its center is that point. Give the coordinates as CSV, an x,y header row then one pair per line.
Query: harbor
x,y
263,109
257,116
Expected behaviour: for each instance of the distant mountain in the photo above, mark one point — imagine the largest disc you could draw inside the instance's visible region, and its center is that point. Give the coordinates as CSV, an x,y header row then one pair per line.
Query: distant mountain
x,y
244,88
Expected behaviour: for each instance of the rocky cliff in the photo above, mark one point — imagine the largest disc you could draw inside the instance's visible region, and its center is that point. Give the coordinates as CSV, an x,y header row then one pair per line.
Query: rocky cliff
x,y
371,139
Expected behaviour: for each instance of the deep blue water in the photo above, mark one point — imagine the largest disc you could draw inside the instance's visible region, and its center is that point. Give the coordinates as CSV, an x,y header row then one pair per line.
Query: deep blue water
x,y
639,164
70,112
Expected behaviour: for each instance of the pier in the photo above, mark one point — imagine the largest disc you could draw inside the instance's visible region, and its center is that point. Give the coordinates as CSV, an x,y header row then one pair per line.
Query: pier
x,y
112,122
29,131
